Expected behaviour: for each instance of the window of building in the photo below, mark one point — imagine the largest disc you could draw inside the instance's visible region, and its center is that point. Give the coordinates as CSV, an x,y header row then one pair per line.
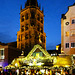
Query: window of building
x,y
22,37
73,21
22,28
67,33
42,38
26,16
41,29
22,18
36,35
67,45
26,36
38,28
26,27
67,23
19,38
32,24
41,20
2,53
38,17
32,14
72,32
72,45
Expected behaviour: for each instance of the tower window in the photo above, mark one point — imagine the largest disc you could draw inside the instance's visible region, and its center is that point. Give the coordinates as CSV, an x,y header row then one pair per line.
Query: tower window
x,y
26,16
41,29
19,38
41,20
38,28
26,27
72,45
36,35
38,17
73,21
22,28
42,38
67,45
22,19
22,37
26,36
32,15
32,24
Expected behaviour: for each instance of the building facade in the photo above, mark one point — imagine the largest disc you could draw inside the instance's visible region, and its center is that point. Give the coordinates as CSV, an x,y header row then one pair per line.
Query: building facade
x,y
31,27
7,54
68,31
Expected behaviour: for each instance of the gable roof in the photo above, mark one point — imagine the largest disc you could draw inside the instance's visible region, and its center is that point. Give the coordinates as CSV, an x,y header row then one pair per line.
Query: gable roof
x,y
41,49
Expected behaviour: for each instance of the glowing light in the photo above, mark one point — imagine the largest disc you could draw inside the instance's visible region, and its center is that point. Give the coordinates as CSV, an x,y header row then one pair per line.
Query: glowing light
x,y
30,64
57,47
17,71
74,55
42,70
39,64
37,54
16,64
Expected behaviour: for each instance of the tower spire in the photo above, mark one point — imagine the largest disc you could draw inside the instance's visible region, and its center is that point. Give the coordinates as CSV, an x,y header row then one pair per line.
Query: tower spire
x,y
31,3
21,7
43,9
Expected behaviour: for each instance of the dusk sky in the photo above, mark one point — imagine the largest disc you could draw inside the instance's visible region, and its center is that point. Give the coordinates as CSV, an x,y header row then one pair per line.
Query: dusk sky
x,y
10,19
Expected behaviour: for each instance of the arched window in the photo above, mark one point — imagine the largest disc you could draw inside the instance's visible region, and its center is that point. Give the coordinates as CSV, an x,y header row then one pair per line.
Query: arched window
x,y
32,14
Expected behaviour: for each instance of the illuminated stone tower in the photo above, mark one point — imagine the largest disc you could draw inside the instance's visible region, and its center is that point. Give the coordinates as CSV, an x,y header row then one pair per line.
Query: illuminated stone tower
x,y
31,27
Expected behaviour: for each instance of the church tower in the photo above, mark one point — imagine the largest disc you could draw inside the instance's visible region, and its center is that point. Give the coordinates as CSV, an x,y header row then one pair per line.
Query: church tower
x,y
31,27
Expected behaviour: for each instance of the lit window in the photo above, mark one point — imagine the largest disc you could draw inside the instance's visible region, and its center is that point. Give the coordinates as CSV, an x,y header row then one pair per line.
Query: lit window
x,y
67,45
1,53
73,21
72,45
72,32
67,34
57,47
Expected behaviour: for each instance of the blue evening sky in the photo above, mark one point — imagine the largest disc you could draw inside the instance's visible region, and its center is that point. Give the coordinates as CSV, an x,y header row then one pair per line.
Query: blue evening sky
x,y
10,19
